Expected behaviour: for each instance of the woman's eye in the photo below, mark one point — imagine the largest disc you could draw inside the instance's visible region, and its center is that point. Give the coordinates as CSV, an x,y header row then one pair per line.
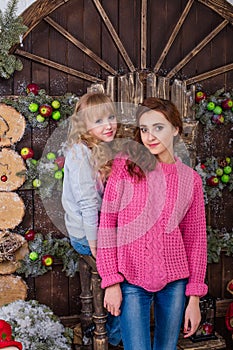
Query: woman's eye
x,y
159,128
143,130
112,117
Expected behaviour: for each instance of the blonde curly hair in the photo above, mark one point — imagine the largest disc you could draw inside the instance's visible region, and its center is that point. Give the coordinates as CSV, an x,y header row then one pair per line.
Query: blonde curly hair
x,y
88,107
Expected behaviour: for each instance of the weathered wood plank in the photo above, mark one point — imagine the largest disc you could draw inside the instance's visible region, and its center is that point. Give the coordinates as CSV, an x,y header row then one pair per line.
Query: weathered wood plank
x,y
197,49
222,7
173,35
80,45
114,35
209,74
57,66
38,10
143,34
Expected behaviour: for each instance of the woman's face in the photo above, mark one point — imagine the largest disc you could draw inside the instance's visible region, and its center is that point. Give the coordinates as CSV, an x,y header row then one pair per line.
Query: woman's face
x,y
103,126
157,134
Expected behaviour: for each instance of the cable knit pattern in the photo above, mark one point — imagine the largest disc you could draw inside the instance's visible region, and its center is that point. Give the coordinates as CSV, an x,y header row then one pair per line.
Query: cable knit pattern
x,y
153,231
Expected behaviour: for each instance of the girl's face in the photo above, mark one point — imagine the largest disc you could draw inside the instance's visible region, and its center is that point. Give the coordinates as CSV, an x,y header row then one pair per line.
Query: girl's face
x,y
157,134
103,126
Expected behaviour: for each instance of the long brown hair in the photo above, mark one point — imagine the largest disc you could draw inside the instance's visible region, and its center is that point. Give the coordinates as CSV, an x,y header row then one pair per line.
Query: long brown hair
x,y
140,159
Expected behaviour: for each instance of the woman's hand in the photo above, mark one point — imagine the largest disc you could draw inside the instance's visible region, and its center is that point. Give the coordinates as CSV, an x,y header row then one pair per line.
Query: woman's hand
x,y
192,316
113,299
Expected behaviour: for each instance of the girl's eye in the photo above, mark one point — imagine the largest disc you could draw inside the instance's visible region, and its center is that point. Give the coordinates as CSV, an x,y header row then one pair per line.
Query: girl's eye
x,y
98,121
112,117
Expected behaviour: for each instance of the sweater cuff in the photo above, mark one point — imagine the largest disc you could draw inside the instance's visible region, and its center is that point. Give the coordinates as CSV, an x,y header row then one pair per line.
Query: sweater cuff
x,y
198,289
111,280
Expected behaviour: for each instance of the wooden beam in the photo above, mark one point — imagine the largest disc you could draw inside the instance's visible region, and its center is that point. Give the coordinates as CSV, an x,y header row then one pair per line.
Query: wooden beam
x,y
173,35
197,49
222,7
143,34
57,66
80,45
114,35
209,74
38,10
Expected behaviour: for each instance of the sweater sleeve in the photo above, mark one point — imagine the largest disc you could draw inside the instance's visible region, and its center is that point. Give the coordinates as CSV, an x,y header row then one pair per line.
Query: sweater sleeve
x,y
193,228
82,185
106,260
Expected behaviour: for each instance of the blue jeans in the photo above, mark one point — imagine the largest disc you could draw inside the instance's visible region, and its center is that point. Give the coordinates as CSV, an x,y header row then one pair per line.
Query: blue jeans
x,y
169,306
113,323
80,245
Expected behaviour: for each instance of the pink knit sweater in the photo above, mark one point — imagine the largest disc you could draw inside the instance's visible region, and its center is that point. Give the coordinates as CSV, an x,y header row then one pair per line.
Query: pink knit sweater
x,y
153,231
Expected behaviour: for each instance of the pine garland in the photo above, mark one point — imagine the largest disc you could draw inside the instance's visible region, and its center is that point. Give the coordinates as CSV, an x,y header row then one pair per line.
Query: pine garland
x,y
48,245
11,29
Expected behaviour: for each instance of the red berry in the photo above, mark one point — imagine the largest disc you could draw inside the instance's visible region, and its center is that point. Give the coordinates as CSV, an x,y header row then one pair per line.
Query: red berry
x,y
3,178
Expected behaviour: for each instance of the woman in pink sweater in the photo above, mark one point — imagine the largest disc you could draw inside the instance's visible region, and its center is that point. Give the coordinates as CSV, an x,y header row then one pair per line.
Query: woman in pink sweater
x,y
152,234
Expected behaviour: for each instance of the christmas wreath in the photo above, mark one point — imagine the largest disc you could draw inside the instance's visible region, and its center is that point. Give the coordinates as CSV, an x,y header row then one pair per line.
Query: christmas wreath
x,y
216,175
43,250
44,175
38,107
214,110
219,241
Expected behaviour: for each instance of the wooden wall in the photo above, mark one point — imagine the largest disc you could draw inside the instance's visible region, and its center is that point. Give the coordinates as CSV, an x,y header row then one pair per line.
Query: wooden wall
x,y
82,20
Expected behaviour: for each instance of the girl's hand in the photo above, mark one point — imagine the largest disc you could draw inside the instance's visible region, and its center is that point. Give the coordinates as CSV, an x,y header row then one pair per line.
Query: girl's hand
x,y
192,316
113,299
92,245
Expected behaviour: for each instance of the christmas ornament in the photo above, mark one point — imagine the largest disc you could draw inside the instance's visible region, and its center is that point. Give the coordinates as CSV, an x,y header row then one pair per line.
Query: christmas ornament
x,y
27,152
217,119
45,110
55,104
51,156
227,104
213,181
200,95
47,260
3,178
33,256
56,115
36,183
33,107
58,175
39,118
60,161
33,88
30,235
217,110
